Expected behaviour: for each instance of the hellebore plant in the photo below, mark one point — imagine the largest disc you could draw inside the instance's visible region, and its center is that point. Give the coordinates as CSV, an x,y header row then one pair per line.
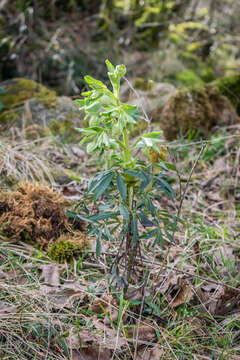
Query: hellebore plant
x,y
129,188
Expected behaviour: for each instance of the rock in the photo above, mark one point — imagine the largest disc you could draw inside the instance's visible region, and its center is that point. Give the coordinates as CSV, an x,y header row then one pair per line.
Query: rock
x,y
199,108
229,86
151,96
31,106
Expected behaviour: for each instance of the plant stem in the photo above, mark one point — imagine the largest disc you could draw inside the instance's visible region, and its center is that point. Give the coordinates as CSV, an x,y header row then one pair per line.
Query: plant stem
x,y
127,150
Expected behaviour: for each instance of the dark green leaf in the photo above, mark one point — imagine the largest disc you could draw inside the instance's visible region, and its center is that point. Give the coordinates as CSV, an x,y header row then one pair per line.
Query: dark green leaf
x,y
137,174
121,187
98,243
74,215
159,240
124,212
135,229
151,207
108,234
166,186
104,184
144,219
103,216
149,234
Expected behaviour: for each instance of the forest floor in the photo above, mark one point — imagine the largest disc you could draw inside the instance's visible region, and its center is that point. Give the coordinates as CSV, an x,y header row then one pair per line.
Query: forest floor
x,y
189,305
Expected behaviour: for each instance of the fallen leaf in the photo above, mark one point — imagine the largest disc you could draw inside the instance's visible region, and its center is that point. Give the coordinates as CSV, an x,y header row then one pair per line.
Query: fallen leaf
x,y
105,301
140,333
184,296
150,354
50,274
93,352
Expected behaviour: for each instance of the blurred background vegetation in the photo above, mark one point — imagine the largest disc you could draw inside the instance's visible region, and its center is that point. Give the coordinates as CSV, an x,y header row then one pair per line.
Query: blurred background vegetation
x,y
57,42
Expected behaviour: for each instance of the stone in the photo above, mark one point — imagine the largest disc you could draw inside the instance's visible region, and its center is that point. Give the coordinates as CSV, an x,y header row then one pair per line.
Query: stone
x,y
38,110
199,108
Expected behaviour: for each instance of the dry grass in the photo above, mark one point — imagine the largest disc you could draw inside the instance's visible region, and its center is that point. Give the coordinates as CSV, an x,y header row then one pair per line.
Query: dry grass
x,y
187,309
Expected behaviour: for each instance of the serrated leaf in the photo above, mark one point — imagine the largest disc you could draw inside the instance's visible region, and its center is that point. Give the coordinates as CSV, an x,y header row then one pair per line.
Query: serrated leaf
x,y
121,187
166,186
104,184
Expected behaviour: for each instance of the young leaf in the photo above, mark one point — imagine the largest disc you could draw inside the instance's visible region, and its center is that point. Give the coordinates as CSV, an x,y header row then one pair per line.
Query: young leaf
x,y
121,187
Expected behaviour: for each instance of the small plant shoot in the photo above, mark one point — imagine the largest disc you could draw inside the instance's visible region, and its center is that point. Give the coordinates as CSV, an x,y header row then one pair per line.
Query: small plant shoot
x,y
129,187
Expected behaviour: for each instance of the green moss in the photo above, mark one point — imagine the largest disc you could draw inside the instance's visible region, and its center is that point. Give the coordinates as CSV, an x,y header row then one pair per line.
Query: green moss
x,y
65,248
198,109
66,129
20,90
188,78
229,86
143,84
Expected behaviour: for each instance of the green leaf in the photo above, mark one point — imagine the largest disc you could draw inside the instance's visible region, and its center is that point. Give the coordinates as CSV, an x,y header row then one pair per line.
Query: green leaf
x,y
104,184
110,66
124,212
166,186
121,187
144,219
73,215
135,229
159,240
2,90
103,216
108,234
152,135
98,243
137,174
95,84
151,207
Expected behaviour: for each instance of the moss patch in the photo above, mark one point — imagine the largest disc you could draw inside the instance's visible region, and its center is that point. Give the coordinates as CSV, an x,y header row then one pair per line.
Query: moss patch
x,y
198,108
229,86
35,213
66,128
20,90
67,246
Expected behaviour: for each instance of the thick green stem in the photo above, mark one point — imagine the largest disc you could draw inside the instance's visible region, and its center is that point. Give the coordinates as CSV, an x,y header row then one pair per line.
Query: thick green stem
x,y
127,150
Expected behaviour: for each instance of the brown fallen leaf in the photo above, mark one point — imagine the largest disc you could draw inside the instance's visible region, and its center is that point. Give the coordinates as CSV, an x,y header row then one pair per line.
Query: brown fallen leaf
x,y
140,333
184,296
150,354
80,339
50,274
105,301
93,352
